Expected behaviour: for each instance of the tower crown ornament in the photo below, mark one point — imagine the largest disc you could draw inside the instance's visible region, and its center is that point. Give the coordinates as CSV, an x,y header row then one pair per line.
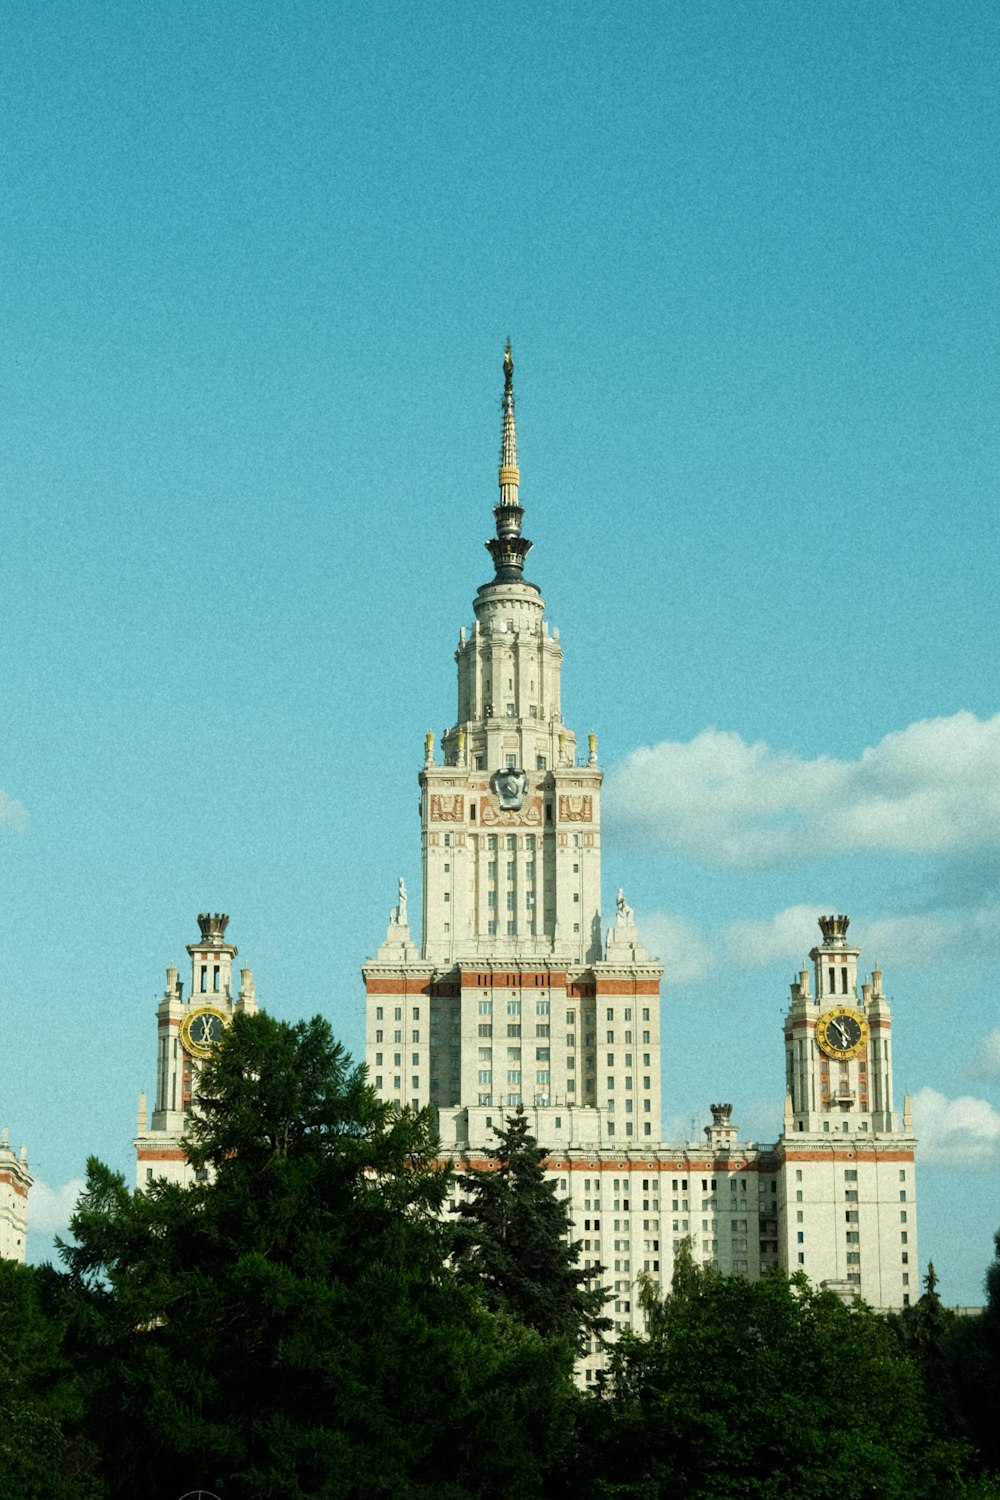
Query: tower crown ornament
x,y
834,929
213,927
508,548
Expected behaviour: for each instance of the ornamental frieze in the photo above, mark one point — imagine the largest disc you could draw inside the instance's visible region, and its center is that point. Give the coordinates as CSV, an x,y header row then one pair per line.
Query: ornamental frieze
x,y
447,807
492,816
575,807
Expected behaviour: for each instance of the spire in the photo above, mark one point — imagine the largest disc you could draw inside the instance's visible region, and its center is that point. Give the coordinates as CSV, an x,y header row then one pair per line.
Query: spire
x,y
508,548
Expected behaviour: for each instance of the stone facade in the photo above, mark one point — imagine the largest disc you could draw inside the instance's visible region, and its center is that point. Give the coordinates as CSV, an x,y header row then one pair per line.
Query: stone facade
x,y
14,1186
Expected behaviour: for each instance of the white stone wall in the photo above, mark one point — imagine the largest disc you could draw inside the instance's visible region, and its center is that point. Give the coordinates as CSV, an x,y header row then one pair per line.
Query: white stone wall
x,y
15,1183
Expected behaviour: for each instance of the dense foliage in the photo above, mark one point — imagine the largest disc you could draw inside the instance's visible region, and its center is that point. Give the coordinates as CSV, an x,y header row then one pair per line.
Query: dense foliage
x,y
766,1388
306,1321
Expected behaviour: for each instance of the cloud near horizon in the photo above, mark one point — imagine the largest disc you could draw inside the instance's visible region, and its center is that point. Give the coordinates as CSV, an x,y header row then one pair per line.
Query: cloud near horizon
x,y
13,815
962,1132
690,953
932,788
50,1209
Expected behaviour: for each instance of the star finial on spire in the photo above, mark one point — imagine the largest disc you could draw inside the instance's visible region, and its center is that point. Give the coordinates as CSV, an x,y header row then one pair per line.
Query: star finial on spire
x,y
508,548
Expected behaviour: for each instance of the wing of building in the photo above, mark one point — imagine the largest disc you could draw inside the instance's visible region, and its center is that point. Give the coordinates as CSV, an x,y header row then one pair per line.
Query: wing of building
x,y
518,991
14,1185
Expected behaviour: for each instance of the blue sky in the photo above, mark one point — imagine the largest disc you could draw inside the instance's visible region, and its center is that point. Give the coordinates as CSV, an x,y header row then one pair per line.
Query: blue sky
x,y
257,267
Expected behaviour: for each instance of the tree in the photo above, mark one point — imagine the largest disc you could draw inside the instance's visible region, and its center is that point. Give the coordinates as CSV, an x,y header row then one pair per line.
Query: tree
x,y
972,1357
765,1388
289,1327
44,1455
513,1243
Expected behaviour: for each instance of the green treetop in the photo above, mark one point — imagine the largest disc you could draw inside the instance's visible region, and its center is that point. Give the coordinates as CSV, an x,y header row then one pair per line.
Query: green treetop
x,y
513,1242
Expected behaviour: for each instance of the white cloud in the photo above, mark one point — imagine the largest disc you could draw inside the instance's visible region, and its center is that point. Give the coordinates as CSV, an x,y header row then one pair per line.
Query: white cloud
x,y
50,1209
932,788
986,1063
962,1132
685,954
690,953
13,815
785,937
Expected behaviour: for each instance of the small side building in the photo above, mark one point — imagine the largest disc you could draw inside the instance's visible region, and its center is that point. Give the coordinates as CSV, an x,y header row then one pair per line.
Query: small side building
x,y
14,1187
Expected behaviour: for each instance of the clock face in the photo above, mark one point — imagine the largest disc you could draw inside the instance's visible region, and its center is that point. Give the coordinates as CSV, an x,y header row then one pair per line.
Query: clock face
x,y
842,1033
202,1029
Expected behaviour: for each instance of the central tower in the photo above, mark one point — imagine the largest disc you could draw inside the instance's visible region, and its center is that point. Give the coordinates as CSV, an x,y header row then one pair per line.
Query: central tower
x,y
514,994
510,821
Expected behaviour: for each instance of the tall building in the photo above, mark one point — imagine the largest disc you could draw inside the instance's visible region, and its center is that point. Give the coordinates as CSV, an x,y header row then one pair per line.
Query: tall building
x,y
185,1032
14,1186
518,992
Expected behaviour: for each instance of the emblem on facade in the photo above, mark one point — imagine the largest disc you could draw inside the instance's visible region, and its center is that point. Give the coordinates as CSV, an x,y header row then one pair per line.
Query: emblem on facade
x,y
575,807
447,807
509,786
492,816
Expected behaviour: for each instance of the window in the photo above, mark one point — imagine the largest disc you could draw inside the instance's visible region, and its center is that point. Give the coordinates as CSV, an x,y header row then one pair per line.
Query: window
x,y
540,763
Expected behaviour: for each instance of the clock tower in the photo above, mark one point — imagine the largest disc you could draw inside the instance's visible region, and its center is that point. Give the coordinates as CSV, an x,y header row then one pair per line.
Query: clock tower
x,y
847,1153
186,1031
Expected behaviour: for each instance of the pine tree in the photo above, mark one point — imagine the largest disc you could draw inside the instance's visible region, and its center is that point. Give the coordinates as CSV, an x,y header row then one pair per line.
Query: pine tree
x,y
514,1243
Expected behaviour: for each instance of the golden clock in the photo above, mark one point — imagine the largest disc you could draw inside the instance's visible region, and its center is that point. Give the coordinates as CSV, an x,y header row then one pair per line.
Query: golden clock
x,y
842,1033
201,1029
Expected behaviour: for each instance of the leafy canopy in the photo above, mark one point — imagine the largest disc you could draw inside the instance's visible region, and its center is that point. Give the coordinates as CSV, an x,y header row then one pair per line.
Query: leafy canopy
x,y
289,1326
